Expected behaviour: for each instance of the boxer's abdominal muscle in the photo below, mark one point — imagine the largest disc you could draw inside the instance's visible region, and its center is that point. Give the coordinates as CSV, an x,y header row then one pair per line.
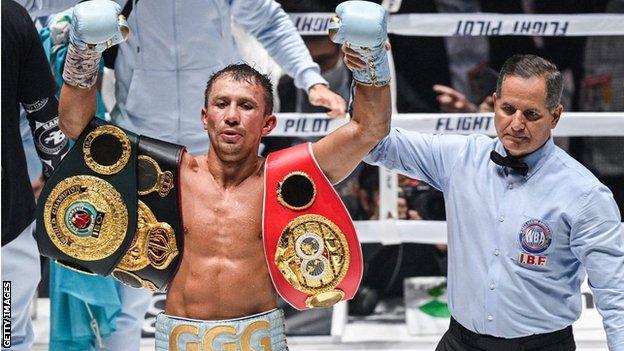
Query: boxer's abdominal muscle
x,y
223,273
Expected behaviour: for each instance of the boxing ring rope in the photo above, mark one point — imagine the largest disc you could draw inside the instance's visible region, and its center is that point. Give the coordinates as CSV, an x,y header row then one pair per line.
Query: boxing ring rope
x,y
480,24
391,231
571,123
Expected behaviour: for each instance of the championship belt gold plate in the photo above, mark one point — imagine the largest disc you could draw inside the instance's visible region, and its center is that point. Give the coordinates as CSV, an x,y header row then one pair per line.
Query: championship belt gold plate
x,y
133,280
85,218
106,149
152,178
313,256
154,243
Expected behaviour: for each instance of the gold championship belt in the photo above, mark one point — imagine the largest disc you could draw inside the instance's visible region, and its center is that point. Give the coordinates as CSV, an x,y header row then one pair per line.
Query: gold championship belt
x,y
311,247
111,207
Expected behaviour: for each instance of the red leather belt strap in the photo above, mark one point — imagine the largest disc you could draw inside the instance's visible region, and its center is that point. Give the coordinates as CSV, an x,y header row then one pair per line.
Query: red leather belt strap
x,y
312,250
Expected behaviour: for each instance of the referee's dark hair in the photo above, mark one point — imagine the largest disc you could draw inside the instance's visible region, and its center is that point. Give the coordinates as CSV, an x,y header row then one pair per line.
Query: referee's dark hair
x,y
527,66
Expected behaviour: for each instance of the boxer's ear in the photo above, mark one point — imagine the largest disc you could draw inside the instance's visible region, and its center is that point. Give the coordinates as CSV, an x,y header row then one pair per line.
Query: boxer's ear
x,y
270,122
204,118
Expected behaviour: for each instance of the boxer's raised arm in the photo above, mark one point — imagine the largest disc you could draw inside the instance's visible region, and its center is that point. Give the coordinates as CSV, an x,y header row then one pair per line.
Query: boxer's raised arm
x,y
361,26
77,106
341,151
96,25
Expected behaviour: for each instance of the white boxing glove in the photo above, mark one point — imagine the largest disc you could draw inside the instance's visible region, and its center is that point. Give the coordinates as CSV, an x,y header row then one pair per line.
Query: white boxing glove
x,y
362,25
97,25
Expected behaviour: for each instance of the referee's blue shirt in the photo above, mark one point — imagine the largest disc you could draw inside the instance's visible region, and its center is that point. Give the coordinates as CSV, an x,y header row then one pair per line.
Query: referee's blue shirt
x,y
518,244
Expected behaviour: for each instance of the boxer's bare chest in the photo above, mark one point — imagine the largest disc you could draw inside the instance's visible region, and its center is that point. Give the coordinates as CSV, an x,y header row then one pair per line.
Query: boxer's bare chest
x,y
223,249
218,219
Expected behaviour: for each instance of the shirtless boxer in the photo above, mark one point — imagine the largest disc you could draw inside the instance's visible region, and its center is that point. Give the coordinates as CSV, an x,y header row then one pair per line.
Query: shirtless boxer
x,y
222,293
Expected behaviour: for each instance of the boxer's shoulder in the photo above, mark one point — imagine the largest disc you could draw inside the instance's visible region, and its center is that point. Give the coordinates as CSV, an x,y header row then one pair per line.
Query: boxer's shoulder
x,y
190,163
262,161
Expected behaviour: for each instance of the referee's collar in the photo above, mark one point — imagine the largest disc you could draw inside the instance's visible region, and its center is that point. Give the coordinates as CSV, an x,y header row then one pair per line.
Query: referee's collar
x,y
534,160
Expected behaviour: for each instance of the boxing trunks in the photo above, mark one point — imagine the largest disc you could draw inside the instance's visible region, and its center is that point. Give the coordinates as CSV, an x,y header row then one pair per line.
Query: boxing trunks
x,y
263,331
111,207
311,248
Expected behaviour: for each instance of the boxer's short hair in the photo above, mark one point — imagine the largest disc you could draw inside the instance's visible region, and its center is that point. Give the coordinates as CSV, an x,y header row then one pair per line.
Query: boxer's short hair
x,y
528,66
242,72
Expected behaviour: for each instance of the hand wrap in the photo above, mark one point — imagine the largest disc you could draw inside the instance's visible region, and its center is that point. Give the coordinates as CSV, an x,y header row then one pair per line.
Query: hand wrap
x,y
96,25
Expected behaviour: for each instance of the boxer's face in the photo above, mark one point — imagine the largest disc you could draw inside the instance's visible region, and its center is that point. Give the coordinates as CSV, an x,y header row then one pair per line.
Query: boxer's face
x,y
235,118
523,122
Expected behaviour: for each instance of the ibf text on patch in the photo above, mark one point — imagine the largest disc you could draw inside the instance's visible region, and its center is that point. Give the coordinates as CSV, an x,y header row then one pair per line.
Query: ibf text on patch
x,y
533,260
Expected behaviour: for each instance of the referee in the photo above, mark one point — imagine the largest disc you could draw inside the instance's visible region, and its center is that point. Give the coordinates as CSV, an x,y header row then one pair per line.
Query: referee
x,y
526,221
